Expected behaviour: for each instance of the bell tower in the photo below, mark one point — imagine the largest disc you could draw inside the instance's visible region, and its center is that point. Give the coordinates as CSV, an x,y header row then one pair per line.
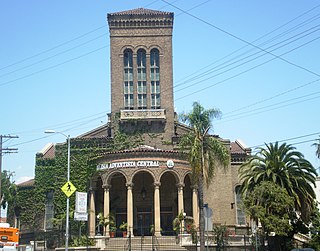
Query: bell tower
x,y
141,72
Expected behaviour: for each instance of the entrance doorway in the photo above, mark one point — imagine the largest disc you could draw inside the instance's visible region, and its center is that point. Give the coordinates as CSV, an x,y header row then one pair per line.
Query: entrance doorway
x,y
166,221
144,220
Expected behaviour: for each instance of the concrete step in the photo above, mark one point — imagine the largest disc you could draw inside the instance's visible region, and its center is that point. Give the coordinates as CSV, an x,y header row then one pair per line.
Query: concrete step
x,y
144,244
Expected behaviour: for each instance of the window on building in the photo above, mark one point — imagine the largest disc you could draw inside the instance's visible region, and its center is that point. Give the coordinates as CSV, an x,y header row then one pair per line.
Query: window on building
x,y
128,79
49,211
241,217
142,79
155,79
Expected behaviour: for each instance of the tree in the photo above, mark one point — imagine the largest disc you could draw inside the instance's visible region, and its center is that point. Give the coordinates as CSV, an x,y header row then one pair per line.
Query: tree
x,y
205,152
285,167
317,145
271,205
8,188
315,230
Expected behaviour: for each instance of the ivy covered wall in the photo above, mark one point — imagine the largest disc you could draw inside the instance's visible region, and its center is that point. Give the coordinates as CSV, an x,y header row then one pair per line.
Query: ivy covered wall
x,y
51,174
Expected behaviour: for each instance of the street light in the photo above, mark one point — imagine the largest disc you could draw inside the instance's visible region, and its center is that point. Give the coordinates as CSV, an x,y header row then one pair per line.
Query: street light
x,y
68,179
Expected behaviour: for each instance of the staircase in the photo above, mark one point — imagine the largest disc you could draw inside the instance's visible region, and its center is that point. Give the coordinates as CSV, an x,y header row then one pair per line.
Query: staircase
x,y
163,243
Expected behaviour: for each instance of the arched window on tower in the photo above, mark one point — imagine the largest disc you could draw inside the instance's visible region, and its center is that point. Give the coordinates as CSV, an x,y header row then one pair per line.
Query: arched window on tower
x,y
142,80
241,217
128,79
155,79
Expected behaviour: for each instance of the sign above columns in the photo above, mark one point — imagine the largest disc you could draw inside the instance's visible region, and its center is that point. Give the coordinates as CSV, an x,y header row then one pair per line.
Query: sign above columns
x,y
129,164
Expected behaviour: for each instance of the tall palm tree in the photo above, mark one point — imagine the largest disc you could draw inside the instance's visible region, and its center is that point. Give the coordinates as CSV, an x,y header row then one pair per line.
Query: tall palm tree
x,y
317,145
287,168
205,152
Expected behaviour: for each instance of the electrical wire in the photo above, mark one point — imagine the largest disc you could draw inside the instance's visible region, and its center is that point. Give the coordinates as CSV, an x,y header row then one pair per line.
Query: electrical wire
x,y
53,56
234,61
66,42
53,66
243,40
243,72
52,48
155,1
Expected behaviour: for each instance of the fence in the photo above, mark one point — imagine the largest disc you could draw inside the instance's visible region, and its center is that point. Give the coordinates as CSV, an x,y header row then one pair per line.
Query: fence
x,y
229,240
183,242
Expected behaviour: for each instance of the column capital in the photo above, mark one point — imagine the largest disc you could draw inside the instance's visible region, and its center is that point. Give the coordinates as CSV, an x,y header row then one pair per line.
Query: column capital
x,y
129,185
106,187
194,188
180,185
91,189
157,184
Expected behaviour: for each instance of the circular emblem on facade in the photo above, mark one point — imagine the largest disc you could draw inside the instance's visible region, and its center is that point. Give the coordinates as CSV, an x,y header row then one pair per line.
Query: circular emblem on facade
x,y
170,163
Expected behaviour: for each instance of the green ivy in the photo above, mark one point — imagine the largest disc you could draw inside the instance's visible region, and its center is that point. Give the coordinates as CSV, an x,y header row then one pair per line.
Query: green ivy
x,y
51,175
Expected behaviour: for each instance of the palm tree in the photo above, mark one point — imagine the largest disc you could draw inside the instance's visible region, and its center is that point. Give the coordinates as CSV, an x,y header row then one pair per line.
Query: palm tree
x,y
286,167
317,145
205,152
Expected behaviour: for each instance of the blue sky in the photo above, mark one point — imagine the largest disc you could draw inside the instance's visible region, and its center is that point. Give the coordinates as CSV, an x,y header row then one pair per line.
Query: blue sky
x,y
257,61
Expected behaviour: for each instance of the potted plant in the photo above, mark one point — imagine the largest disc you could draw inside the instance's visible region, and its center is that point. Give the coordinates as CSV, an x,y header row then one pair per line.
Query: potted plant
x,y
112,225
152,230
112,231
110,221
123,227
177,223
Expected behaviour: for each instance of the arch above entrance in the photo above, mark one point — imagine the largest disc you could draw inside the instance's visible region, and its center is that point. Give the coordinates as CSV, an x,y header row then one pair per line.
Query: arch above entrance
x,y
107,176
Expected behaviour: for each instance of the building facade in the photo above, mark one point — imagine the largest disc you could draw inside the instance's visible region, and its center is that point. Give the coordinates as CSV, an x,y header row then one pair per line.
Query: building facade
x,y
151,184
148,185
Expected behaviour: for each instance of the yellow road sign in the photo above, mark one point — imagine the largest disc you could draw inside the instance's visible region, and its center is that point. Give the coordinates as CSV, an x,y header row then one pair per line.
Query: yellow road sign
x,y
68,188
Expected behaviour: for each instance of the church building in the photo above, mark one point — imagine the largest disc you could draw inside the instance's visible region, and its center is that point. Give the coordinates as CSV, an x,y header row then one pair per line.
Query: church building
x,y
150,184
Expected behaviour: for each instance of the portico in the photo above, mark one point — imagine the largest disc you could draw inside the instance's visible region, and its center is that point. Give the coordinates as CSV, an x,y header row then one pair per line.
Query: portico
x,y
145,191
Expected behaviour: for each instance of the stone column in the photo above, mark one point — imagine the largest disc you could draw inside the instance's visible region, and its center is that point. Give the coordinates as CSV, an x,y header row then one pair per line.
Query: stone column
x,y
180,203
180,198
195,206
106,206
92,213
157,223
130,207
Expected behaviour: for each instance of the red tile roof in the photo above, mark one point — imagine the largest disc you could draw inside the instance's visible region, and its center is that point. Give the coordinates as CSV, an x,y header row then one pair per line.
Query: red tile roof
x,y
140,11
28,183
143,148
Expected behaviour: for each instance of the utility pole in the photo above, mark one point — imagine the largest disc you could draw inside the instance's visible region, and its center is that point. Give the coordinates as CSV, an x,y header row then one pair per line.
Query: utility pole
x,y
3,151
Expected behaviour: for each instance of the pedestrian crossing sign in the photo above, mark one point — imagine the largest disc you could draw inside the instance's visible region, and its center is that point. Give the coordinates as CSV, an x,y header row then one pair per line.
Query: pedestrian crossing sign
x,y
68,188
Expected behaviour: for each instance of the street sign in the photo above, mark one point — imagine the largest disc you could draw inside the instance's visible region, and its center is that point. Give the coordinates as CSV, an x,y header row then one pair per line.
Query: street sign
x,y
68,188
81,202
207,211
80,216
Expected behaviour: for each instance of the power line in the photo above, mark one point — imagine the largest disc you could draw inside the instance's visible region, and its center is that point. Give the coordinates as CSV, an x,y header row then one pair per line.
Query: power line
x,y
243,72
274,96
225,65
243,40
53,66
265,35
65,43
279,103
66,130
53,48
293,138
295,143
68,123
53,56
67,61
276,108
